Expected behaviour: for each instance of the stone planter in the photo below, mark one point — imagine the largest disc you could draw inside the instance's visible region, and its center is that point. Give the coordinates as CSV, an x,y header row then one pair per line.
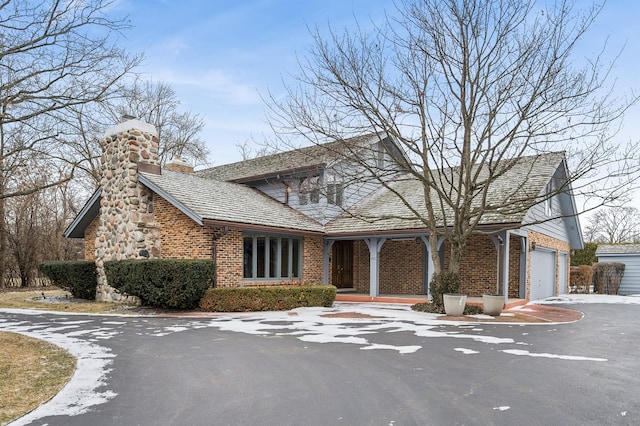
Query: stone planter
x,y
454,304
492,304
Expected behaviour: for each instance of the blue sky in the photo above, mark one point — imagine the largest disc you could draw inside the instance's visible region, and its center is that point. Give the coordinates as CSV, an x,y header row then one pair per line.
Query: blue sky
x,y
220,56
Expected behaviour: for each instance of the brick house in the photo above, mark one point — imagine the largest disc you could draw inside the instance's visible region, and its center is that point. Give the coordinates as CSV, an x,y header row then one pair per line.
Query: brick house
x,y
305,216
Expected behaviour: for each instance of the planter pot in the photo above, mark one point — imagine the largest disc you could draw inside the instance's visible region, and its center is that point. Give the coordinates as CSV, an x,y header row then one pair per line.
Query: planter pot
x,y
492,304
454,304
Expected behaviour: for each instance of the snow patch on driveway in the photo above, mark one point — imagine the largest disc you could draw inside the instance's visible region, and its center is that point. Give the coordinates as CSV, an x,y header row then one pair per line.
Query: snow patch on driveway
x,y
520,352
570,299
466,351
92,368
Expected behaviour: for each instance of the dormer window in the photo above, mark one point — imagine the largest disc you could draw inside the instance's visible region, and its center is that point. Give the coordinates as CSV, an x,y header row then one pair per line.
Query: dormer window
x,y
309,190
549,192
335,193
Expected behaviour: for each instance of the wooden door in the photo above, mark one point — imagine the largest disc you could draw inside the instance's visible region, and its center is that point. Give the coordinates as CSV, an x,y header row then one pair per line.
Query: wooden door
x,y
342,264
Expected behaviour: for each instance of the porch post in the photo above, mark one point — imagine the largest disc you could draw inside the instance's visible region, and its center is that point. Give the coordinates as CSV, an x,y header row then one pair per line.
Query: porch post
x,y
523,267
374,245
501,241
505,266
430,265
326,253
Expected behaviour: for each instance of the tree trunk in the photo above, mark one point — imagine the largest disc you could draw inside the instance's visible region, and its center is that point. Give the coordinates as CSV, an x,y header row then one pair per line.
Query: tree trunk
x,y
457,249
3,239
435,256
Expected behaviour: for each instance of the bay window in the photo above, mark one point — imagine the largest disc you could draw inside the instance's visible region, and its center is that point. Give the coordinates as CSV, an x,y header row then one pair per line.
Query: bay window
x,y
271,257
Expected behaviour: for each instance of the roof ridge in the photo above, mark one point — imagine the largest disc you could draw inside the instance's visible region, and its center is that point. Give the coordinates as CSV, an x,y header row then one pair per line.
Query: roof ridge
x,y
296,150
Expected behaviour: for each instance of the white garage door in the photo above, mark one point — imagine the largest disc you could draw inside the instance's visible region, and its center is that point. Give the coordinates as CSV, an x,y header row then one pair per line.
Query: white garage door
x,y
543,274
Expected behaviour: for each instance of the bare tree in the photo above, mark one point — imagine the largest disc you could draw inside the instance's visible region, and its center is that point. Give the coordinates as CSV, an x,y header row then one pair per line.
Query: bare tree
x,y
614,225
35,223
54,55
463,86
158,104
178,131
252,149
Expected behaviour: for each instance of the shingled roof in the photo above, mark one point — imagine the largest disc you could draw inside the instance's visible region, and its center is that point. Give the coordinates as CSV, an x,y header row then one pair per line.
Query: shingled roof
x,y
211,201
621,249
206,200
315,156
384,211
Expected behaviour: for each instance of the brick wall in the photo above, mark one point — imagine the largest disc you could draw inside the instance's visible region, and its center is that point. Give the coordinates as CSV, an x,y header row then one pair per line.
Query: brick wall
x,y
360,267
229,247
401,267
514,266
180,236
313,248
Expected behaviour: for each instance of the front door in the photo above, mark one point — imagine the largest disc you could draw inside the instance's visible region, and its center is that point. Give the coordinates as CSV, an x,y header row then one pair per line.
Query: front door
x,y
342,264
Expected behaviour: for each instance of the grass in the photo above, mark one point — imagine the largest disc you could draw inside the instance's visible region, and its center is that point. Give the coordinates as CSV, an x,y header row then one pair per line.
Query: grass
x,y
33,299
32,372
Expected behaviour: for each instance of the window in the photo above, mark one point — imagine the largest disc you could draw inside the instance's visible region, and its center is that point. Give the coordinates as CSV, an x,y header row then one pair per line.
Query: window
x,y
548,202
271,257
334,194
303,190
309,190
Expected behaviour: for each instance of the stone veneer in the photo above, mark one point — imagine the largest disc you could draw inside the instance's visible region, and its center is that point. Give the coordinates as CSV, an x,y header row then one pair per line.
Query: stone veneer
x,y
126,226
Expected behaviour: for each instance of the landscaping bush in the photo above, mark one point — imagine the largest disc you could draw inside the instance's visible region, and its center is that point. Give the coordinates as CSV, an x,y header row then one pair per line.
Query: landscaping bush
x,y
281,298
607,277
162,283
580,278
433,309
443,283
78,277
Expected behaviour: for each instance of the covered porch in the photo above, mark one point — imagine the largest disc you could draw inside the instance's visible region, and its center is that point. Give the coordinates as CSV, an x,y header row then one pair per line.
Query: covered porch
x,y
398,267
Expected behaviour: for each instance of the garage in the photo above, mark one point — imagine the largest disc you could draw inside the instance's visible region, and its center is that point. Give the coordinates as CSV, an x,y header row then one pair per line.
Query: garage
x,y
543,273
629,254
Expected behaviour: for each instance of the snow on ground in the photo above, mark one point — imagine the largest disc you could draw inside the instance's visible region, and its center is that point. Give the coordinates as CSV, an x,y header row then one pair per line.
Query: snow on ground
x,y
568,299
519,352
345,323
92,368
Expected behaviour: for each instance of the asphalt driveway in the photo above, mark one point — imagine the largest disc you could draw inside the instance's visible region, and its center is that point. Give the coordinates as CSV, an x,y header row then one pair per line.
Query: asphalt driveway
x,y
354,365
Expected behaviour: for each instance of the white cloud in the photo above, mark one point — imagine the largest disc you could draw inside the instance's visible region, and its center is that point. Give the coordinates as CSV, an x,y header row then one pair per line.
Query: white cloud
x,y
211,84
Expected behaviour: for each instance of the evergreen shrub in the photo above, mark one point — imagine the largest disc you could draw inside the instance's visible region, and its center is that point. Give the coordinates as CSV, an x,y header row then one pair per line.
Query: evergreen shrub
x,y
162,283
276,298
78,277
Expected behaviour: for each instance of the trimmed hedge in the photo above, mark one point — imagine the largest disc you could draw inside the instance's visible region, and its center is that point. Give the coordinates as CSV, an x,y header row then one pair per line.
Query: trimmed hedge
x,y
280,298
607,277
75,276
162,283
580,278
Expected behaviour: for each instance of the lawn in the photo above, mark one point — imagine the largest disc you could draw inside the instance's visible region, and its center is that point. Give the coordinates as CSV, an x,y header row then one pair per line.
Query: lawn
x,y
54,299
32,372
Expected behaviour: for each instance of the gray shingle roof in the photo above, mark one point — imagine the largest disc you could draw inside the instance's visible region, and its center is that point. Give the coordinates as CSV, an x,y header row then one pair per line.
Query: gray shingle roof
x,y
208,199
301,158
618,249
384,211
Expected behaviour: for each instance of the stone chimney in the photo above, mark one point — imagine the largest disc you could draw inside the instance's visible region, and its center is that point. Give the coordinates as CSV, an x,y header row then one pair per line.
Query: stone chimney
x,y
126,224
177,164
